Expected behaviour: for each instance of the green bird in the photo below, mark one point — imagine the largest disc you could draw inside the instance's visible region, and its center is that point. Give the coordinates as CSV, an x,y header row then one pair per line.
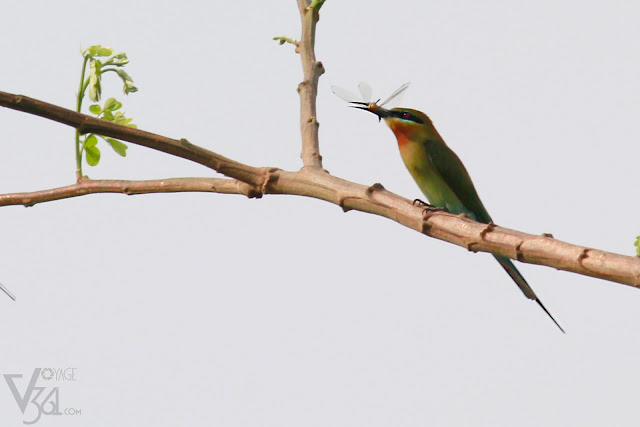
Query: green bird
x,y
437,170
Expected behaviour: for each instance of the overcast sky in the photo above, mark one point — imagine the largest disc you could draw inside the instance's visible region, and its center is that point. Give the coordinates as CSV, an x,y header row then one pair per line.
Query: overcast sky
x,y
206,309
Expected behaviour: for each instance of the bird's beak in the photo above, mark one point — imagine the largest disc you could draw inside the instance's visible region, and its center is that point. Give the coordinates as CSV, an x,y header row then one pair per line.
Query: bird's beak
x,y
372,108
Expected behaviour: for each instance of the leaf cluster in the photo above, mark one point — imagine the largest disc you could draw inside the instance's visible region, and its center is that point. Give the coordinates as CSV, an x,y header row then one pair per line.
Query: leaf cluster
x,y
101,60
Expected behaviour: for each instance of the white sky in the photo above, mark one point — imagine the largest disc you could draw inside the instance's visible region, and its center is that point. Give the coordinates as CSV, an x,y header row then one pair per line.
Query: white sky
x,y
218,310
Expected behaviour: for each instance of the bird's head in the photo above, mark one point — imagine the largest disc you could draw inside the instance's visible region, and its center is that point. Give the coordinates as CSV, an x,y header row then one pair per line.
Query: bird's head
x,y
406,123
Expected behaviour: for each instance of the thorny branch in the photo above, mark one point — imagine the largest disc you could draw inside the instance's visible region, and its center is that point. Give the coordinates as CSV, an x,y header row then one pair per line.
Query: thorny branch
x,y
313,181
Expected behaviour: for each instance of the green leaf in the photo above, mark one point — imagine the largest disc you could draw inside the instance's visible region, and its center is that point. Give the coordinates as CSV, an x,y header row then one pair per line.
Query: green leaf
x,y
104,51
90,141
127,80
99,51
95,109
637,245
119,59
112,104
108,115
92,155
93,50
119,118
118,146
123,75
95,88
129,88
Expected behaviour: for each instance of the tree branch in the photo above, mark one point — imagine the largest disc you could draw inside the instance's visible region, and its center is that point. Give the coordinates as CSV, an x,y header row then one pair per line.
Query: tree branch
x,y
89,186
317,183
313,181
308,88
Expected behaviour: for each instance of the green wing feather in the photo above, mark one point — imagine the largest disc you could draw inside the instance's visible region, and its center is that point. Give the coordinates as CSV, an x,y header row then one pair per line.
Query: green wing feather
x,y
453,172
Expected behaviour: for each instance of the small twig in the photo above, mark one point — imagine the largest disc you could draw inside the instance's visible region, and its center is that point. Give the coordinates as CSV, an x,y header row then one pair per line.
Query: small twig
x,y
282,40
86,186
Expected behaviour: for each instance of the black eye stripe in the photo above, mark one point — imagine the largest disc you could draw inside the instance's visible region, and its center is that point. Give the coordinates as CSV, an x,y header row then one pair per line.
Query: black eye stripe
x,y
405,115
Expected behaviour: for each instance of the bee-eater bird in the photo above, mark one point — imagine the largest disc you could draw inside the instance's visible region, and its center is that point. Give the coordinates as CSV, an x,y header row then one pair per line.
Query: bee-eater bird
x,y
437,170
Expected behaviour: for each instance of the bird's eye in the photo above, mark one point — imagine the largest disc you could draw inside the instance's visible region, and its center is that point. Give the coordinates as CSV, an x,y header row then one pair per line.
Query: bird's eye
x,y
406,116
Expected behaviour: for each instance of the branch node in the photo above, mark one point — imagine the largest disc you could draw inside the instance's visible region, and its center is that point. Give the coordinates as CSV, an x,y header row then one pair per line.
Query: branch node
x,y
547,235
487,229
268,175
375,187
584,254
341,203
470,247
519,254
301,84
426,227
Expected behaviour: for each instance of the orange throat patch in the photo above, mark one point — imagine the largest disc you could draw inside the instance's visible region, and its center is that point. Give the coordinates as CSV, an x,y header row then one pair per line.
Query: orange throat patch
x,y
402,131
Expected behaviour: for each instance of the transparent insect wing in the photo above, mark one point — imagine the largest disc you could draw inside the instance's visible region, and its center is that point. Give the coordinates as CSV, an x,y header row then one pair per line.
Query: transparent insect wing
x,y
365,91
395,95
7,291
345,94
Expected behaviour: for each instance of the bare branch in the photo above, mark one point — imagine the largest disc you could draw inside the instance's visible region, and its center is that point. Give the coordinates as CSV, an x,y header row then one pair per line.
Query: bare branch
x,y
180,148
313,181
317,183
89,186
308,88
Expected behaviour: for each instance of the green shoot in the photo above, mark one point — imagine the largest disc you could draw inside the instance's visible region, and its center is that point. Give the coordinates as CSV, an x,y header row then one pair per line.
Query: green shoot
x,y
101,60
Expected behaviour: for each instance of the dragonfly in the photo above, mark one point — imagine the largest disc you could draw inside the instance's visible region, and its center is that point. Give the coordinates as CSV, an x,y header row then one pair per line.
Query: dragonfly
x,y
363,100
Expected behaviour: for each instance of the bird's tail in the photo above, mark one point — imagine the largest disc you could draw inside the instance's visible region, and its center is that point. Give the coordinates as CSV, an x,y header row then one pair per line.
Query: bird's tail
x,y
523,285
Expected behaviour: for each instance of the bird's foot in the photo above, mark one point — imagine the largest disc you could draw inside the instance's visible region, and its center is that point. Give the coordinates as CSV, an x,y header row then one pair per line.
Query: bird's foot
x,y
429,207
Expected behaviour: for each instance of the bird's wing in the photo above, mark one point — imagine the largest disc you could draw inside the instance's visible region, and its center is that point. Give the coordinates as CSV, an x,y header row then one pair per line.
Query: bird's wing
x,y
453,172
